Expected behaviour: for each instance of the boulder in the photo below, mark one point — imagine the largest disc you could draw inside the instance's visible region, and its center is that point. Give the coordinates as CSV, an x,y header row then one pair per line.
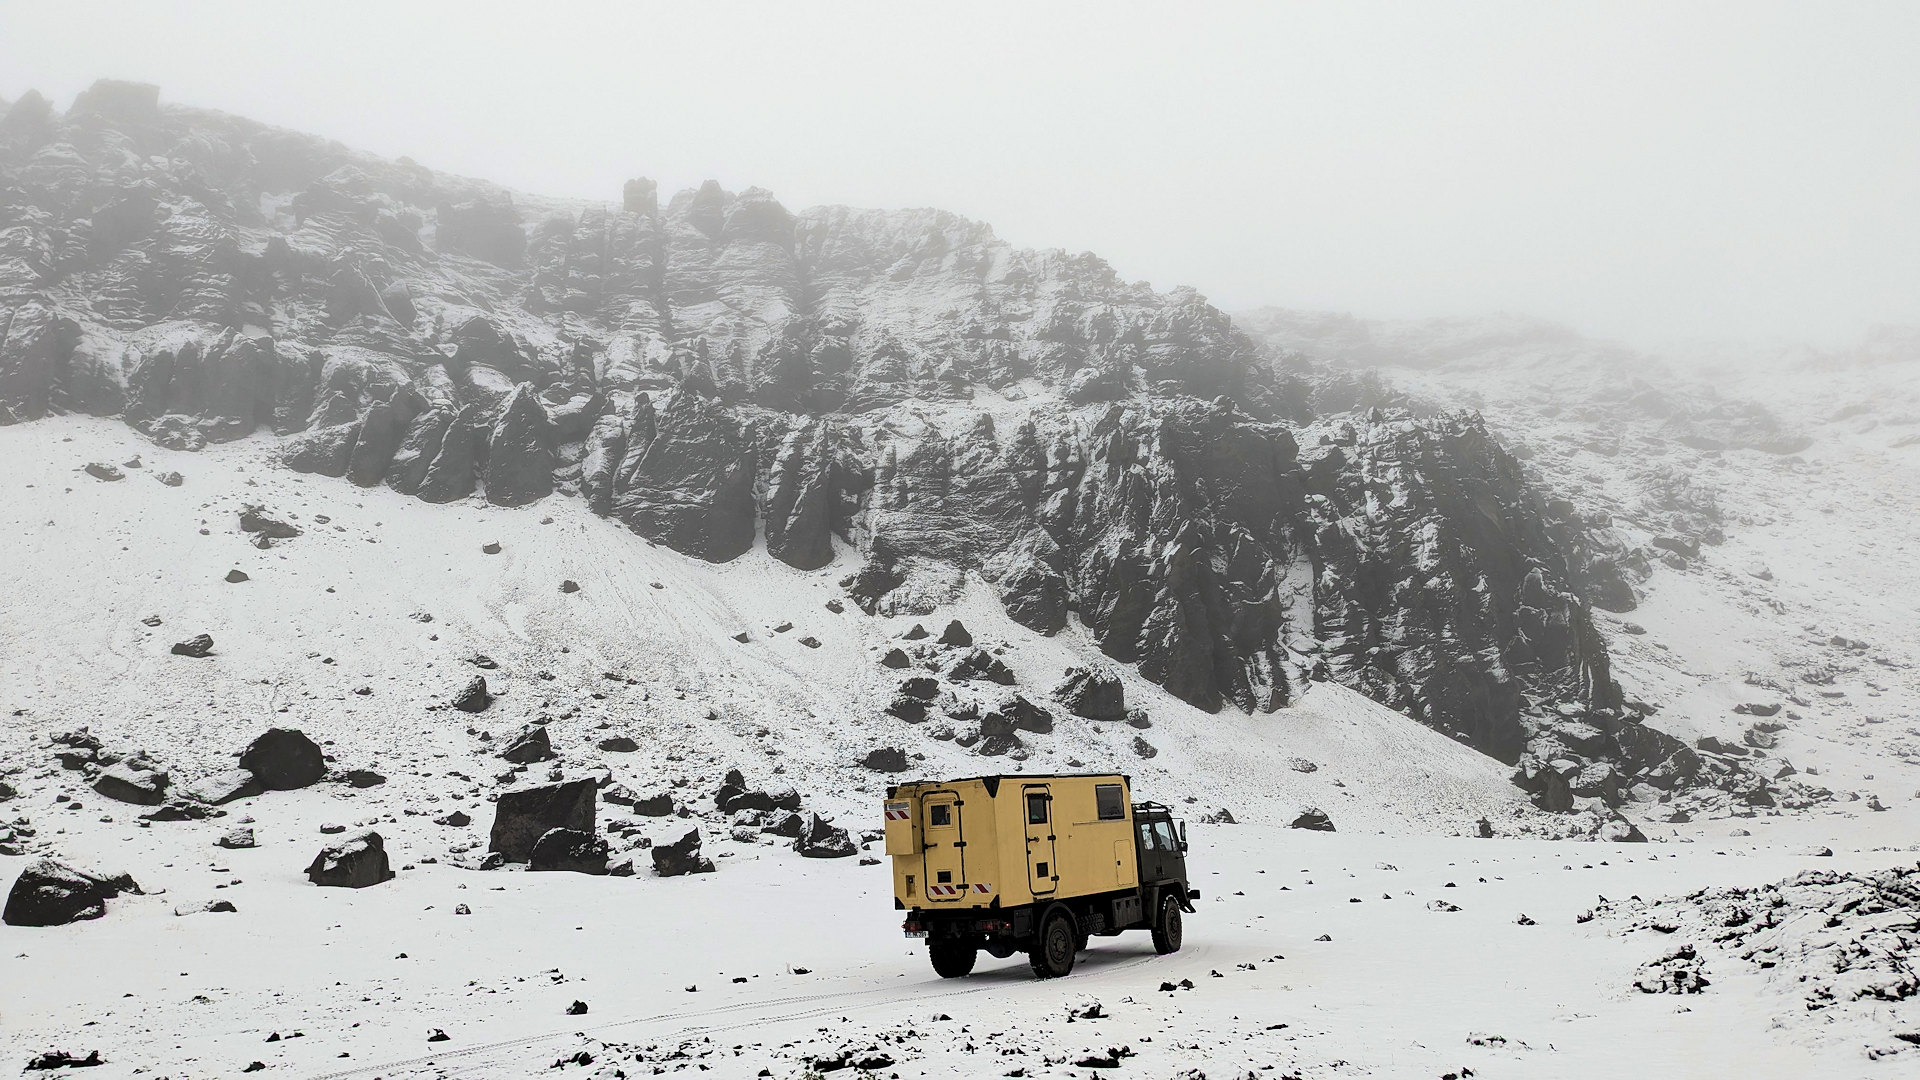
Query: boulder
x,y
681,855
890,759
137,780
354,861
361,778
821,839
521,817
980,664
912,710
923,687
197,646
474,696
895,658
223,787
49,893
1313,818
568,850
235,839
618,744
283,759
1093,692
235,577
100,470
529,746
956,635
1024,715
253,519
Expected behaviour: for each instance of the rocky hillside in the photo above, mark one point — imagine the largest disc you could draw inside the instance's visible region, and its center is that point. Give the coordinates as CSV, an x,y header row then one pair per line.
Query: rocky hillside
x,y
720,372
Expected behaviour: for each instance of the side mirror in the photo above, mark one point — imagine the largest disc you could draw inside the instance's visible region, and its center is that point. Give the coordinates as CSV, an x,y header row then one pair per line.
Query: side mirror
x,y
1182,826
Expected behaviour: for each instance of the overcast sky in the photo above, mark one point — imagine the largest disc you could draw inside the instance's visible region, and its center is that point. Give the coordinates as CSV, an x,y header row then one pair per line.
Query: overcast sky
x,y
1647,172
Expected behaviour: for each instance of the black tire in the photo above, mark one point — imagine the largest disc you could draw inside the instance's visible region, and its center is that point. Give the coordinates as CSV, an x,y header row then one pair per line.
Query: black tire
x,y
952,958
1168,928
1052,951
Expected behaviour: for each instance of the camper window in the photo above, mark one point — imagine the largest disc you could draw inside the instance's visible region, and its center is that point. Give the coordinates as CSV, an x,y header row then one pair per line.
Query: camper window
x,y
1111,806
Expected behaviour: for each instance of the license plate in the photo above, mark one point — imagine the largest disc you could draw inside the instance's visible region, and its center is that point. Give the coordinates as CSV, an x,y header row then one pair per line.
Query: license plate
x,y
916,933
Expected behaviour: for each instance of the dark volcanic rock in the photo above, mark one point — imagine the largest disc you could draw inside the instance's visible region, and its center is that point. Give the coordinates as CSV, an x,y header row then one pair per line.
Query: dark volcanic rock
x,y
569,850
354,861
681,855
886,759
100,470
223,787
235,577
821,839
523,816
474,696
980,664
1313,818
618,744
1095,693
895,658
529,746
956,634
283,759
520,451
198,645
48,893
253,519
137,779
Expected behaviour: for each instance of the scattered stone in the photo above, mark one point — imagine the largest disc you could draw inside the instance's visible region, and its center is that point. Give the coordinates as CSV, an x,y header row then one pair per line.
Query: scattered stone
x,y
836,606
980,664
362,778
915,633
49,893
253,519
1138,718
332,829
474,696
100,470
529,746
437,1034
578,1008
283,759
569,586
810,641
197,646
171,479
1679,972
743,637
681,856
1313,818
1222,816
618,744
956,635
235,577
522,817
354,861
1302,765
60,1059
491,547
569,850
236,839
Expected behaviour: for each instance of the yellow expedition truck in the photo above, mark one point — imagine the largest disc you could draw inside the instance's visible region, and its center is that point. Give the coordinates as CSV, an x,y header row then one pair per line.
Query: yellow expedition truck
x,y
1033,863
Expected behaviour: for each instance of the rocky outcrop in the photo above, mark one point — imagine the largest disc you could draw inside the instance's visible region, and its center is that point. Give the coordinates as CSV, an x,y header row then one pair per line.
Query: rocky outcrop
x,y
721,371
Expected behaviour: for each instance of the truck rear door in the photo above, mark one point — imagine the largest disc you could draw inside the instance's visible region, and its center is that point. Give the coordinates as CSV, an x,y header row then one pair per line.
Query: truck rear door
x,y
943,855
1042,873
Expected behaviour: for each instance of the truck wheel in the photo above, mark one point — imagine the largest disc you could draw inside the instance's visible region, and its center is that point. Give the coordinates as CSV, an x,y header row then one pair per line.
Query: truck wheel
x,y
952,958
1167,928
1052,952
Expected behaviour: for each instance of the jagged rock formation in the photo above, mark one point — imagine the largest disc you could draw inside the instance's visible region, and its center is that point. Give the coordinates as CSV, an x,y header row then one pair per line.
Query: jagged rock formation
x,y
899,384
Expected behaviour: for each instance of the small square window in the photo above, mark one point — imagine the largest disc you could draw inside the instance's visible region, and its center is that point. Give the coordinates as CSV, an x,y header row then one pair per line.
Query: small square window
x,y
1040,870
1111,806
946,877
940,814
1037,808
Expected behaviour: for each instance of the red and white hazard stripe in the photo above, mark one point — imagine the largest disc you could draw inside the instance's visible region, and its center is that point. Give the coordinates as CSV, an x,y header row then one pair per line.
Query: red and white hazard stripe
x,y
955,890
898,811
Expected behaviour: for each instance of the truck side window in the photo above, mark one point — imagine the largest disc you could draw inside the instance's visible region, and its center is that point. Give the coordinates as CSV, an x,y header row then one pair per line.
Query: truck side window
x,y
1146,836
1107,798
1163,830
940,814
1036,809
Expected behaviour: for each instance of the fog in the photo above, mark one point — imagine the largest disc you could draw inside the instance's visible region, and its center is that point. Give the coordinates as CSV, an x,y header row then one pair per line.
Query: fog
x,y
1650,172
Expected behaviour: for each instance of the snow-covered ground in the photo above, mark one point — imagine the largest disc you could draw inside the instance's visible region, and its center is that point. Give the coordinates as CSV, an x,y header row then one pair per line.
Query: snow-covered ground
x,y
1401,989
